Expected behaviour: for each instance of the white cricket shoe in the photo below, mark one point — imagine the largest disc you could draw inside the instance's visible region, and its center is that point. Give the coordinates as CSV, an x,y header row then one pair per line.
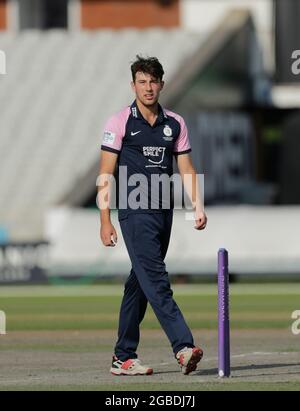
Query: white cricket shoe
x,y
129,367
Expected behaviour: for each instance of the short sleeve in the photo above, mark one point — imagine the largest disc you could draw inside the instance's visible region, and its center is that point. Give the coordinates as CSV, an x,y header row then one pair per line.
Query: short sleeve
x,y
113,134
182,144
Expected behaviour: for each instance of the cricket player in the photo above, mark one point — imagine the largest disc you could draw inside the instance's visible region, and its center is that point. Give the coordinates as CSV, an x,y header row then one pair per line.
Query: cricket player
x,y
142,140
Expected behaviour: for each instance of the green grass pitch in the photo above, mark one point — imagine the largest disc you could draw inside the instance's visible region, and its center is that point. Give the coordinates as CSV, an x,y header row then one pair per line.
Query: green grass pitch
x,y
97,307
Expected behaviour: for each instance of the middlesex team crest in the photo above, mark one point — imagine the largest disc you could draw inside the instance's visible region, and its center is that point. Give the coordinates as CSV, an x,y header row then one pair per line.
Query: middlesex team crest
x,y
167,133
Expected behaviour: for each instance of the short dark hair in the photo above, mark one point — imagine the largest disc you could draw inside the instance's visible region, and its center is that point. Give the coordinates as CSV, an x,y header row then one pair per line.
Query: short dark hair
x,y
149,65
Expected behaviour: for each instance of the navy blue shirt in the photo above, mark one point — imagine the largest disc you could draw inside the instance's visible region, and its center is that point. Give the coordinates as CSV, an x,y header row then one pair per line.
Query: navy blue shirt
x,y
145,158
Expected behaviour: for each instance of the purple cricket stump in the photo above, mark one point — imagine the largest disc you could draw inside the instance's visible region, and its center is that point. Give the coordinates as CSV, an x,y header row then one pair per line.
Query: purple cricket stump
x,y
223,314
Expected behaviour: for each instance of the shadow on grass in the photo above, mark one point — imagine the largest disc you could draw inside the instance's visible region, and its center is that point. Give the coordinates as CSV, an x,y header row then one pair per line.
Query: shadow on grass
x,y
214,371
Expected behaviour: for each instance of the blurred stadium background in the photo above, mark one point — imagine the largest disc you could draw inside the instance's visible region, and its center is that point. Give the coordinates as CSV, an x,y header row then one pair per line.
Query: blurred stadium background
x,y
228,70
231,71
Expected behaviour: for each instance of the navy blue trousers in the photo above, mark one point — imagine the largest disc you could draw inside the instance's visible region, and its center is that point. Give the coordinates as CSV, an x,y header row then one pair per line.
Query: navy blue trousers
x,y
147,236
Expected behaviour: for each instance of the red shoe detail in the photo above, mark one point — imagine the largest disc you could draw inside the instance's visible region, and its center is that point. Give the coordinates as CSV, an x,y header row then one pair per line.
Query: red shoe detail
x,y
127,364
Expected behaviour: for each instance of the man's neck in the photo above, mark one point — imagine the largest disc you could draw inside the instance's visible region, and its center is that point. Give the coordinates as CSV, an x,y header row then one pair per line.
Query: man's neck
x,y
149,113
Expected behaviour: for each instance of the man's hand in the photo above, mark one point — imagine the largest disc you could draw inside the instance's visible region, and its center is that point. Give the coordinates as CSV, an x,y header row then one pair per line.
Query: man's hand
x,y
200,220
108,234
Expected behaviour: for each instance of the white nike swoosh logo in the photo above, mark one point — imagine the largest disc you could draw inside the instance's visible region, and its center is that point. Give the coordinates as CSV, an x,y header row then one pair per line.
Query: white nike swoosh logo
x,y
137,132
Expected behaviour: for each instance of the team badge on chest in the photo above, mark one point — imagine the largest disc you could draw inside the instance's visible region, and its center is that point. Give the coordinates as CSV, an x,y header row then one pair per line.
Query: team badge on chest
x,y
167,133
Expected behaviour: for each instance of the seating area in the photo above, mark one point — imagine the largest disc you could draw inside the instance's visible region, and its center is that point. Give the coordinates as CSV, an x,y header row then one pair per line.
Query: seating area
x,y
59,89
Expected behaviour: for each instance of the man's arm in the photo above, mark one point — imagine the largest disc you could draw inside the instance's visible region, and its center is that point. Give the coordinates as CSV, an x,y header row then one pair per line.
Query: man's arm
x,y
192,187
108,161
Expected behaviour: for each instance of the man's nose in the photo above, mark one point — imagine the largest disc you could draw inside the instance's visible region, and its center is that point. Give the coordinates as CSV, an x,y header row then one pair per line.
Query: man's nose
x,y
149,86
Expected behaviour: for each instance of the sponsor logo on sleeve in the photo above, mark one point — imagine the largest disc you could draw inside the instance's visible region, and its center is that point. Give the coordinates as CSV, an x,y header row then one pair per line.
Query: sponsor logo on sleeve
x,y
109,137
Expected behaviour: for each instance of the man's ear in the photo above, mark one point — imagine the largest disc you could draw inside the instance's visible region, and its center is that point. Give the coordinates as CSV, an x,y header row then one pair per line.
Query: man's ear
x,y
162,84
132,85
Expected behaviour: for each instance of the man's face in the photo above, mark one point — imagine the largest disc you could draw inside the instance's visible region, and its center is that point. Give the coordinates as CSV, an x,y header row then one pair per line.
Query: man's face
x,y
147,88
